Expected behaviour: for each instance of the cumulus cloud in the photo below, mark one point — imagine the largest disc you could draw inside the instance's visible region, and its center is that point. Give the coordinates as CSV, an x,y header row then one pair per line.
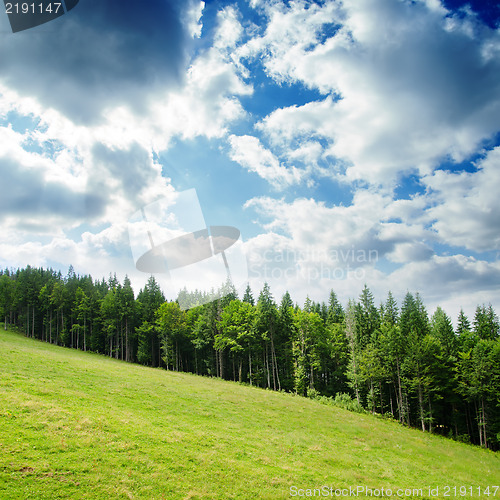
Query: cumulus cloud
x,y
101,55
449,281
35,193
336,241
310,248
252,155
466,212
405,83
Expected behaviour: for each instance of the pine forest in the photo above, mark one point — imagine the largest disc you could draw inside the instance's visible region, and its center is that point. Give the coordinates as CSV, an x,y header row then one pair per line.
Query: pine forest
x,y
391,359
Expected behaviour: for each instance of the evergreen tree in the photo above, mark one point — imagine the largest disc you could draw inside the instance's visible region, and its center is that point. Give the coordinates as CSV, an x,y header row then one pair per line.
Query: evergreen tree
x,y
127,306
367,318
149,300
248,297
285,336
442,329
335,311
237,334
486,323
309,346
266,324
390,311
171,327
463,323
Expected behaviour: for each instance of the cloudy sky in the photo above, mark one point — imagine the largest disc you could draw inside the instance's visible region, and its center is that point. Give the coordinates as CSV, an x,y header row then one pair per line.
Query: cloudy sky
x,y
350,142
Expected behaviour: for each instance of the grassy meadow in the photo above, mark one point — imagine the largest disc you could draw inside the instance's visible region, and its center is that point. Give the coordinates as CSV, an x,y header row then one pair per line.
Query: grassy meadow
x,y
80,425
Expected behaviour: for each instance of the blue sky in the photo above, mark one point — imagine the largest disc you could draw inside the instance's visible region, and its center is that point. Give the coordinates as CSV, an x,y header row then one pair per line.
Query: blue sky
x,y
350,142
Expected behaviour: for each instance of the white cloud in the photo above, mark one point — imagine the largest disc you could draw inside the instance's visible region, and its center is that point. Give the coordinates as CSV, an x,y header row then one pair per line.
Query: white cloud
x,y
449,281
251,154
310,247
101,55
466,211
192,19
404,90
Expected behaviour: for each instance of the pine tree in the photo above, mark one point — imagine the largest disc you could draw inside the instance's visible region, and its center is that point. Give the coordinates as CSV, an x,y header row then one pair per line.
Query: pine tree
x,y
390,312
463,323
442,329
248,297
335,311
266,323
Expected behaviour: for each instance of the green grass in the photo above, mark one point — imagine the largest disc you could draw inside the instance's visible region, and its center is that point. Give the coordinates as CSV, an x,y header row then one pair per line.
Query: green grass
x,y
79,425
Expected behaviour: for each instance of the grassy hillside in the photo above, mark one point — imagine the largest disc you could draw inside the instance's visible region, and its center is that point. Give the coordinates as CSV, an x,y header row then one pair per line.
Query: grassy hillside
x,y
79,425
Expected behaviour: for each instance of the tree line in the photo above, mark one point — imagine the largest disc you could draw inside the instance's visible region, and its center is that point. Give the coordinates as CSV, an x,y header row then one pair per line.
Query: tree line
x,y
394,361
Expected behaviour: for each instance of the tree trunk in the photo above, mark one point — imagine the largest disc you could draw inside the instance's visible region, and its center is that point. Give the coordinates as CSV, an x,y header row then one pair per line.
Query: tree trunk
x,y
250,363
400,404
479,425
176,356
381,399
127,354
372,396
355,377
273,361
407,410
430,413
483,422
421,406
266,354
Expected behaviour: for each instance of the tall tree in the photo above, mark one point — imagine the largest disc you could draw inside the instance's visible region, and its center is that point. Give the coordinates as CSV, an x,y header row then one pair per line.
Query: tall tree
x,y
171,323
335,311
463,323
391,313
354,346
127,307
486,323
266,323
237,334
308,348
442,329
248,297
368,320
149,299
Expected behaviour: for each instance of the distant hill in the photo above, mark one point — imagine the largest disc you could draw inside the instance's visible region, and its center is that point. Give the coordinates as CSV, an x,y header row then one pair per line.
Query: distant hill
x,y
81,425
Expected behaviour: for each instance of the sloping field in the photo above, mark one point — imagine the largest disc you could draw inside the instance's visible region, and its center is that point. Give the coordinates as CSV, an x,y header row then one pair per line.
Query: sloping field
x,y
79,425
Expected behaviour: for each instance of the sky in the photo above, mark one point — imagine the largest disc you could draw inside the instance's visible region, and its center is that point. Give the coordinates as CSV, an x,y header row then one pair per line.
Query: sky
x,y
350,142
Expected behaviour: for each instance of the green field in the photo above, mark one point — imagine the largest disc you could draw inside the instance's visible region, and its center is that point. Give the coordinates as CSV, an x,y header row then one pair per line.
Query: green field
x,y
80,425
